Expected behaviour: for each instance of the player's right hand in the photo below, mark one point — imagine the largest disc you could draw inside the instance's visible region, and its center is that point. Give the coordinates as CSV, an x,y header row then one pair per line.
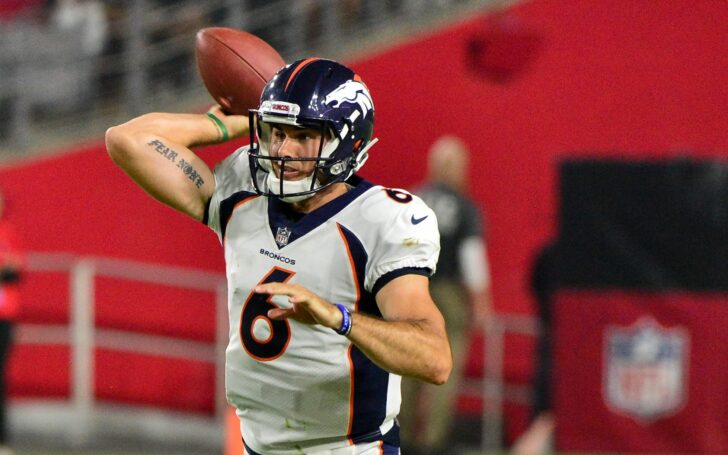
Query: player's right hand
x,y
237,125
307,307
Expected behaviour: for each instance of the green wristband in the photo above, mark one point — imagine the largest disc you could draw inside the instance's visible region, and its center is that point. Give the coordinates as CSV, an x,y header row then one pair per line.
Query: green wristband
x,y
220,125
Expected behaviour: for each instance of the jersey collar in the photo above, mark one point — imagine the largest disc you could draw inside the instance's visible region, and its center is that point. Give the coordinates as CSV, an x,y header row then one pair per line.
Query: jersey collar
x,y
281,215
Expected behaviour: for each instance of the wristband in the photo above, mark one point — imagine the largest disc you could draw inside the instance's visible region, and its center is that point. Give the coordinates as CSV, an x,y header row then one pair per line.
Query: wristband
x,y
345,328
221,126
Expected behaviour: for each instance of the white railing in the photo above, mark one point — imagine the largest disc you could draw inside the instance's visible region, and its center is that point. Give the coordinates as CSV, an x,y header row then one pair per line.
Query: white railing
x,y
83,338
495,390
83,416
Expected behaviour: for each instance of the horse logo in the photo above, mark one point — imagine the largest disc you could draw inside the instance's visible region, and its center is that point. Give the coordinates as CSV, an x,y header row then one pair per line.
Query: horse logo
x,y
351,92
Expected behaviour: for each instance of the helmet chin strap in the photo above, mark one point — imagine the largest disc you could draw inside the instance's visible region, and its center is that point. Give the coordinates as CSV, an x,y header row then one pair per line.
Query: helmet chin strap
x,y
290,187
303,185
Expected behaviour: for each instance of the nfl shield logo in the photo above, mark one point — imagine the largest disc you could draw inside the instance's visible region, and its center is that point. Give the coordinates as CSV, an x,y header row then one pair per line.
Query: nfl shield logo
x,y
645,374
282,235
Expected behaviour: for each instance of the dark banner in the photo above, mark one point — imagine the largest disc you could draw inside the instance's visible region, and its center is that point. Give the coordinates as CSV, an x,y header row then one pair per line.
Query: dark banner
x,y
644,225
641,307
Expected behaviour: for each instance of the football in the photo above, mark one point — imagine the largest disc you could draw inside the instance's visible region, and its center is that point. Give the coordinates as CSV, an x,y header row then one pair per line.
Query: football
x,y
235,66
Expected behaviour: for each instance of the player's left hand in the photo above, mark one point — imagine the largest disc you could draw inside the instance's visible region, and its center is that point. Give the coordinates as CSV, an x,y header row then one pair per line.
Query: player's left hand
x,y
307,307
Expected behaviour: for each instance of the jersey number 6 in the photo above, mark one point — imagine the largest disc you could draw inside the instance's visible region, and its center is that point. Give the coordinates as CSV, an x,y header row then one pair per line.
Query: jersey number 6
x,y
255,311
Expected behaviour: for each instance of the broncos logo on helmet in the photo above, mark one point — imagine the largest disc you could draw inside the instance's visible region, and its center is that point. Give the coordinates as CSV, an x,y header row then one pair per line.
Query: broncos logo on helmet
x,y
350,92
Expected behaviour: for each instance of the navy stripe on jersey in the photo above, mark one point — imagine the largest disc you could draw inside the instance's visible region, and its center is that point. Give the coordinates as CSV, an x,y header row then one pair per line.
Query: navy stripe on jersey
x,y
390,442
389,276
206,214
249,451
370,381
368,304
228,205
280,214
359,258
370,397
392,436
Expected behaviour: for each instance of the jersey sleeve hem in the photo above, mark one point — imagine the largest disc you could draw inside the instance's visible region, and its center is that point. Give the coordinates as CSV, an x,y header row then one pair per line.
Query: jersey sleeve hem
x,y
389,276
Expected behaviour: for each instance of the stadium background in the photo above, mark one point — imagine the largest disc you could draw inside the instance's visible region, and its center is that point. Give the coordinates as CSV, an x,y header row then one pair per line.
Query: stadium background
x,y
526,85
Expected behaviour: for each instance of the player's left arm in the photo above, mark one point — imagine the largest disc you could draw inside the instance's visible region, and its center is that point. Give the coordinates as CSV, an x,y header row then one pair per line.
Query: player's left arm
x,y
409,340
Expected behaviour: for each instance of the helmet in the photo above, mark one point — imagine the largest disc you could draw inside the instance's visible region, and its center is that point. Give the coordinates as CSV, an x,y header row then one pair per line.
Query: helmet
x,y
312,93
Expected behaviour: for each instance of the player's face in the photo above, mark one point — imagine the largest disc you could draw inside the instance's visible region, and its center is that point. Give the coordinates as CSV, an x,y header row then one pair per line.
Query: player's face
x,y
294,142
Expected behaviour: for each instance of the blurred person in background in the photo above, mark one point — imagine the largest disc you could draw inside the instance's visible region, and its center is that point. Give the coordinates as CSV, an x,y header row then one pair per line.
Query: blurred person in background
x,y
86,17
11,260
177,22
461,288
538,438
59,51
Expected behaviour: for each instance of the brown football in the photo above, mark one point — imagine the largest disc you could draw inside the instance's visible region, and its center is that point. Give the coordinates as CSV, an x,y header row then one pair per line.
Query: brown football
x,y
235,66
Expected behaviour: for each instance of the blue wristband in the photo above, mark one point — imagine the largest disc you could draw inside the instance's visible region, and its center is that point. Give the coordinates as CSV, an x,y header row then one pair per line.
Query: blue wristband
x,y
345,328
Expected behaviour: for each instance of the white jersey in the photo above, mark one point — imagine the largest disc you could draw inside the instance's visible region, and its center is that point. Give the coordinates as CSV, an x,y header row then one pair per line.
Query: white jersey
x,y
302,388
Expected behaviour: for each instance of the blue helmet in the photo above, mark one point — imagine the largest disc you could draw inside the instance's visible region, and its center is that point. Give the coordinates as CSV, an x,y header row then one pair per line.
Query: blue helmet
x,y
312,93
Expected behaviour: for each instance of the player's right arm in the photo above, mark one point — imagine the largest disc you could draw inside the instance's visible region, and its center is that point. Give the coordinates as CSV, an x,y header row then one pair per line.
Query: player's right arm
x,y
155,150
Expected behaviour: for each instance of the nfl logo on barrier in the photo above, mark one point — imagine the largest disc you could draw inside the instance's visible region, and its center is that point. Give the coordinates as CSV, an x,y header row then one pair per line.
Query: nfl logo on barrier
x,y
645,371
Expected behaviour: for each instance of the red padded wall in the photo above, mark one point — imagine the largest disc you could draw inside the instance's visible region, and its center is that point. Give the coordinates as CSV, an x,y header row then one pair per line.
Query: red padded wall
x,y
620,78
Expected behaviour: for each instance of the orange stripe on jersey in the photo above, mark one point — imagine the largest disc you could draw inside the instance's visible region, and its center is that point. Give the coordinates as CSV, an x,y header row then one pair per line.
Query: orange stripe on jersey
x,y
299,68
350,425
352,265
381,447
357,286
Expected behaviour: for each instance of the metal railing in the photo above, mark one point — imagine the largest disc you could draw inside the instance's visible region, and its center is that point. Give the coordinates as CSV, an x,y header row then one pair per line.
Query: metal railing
x,y
83,337
496,391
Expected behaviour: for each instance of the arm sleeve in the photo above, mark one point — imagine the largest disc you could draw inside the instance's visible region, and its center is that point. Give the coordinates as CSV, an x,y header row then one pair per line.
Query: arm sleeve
x,y
472,251
473,257
473,225
402,243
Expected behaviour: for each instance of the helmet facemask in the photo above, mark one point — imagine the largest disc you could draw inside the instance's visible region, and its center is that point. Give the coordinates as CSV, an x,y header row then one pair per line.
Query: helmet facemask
x,y
268,169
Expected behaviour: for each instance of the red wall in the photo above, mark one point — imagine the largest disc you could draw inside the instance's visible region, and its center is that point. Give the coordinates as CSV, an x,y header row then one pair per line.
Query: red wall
x,y
620,78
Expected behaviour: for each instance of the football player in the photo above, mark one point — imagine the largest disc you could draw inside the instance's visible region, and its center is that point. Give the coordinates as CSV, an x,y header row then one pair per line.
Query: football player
x,y
327,273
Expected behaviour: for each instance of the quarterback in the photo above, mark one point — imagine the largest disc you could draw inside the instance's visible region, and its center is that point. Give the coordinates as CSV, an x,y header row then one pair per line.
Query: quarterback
x,y
328,274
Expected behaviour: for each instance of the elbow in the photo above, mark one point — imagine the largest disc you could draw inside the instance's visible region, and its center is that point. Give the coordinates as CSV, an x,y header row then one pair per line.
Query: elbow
x,y
123,141
114,143
440,370
119,144
443,374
